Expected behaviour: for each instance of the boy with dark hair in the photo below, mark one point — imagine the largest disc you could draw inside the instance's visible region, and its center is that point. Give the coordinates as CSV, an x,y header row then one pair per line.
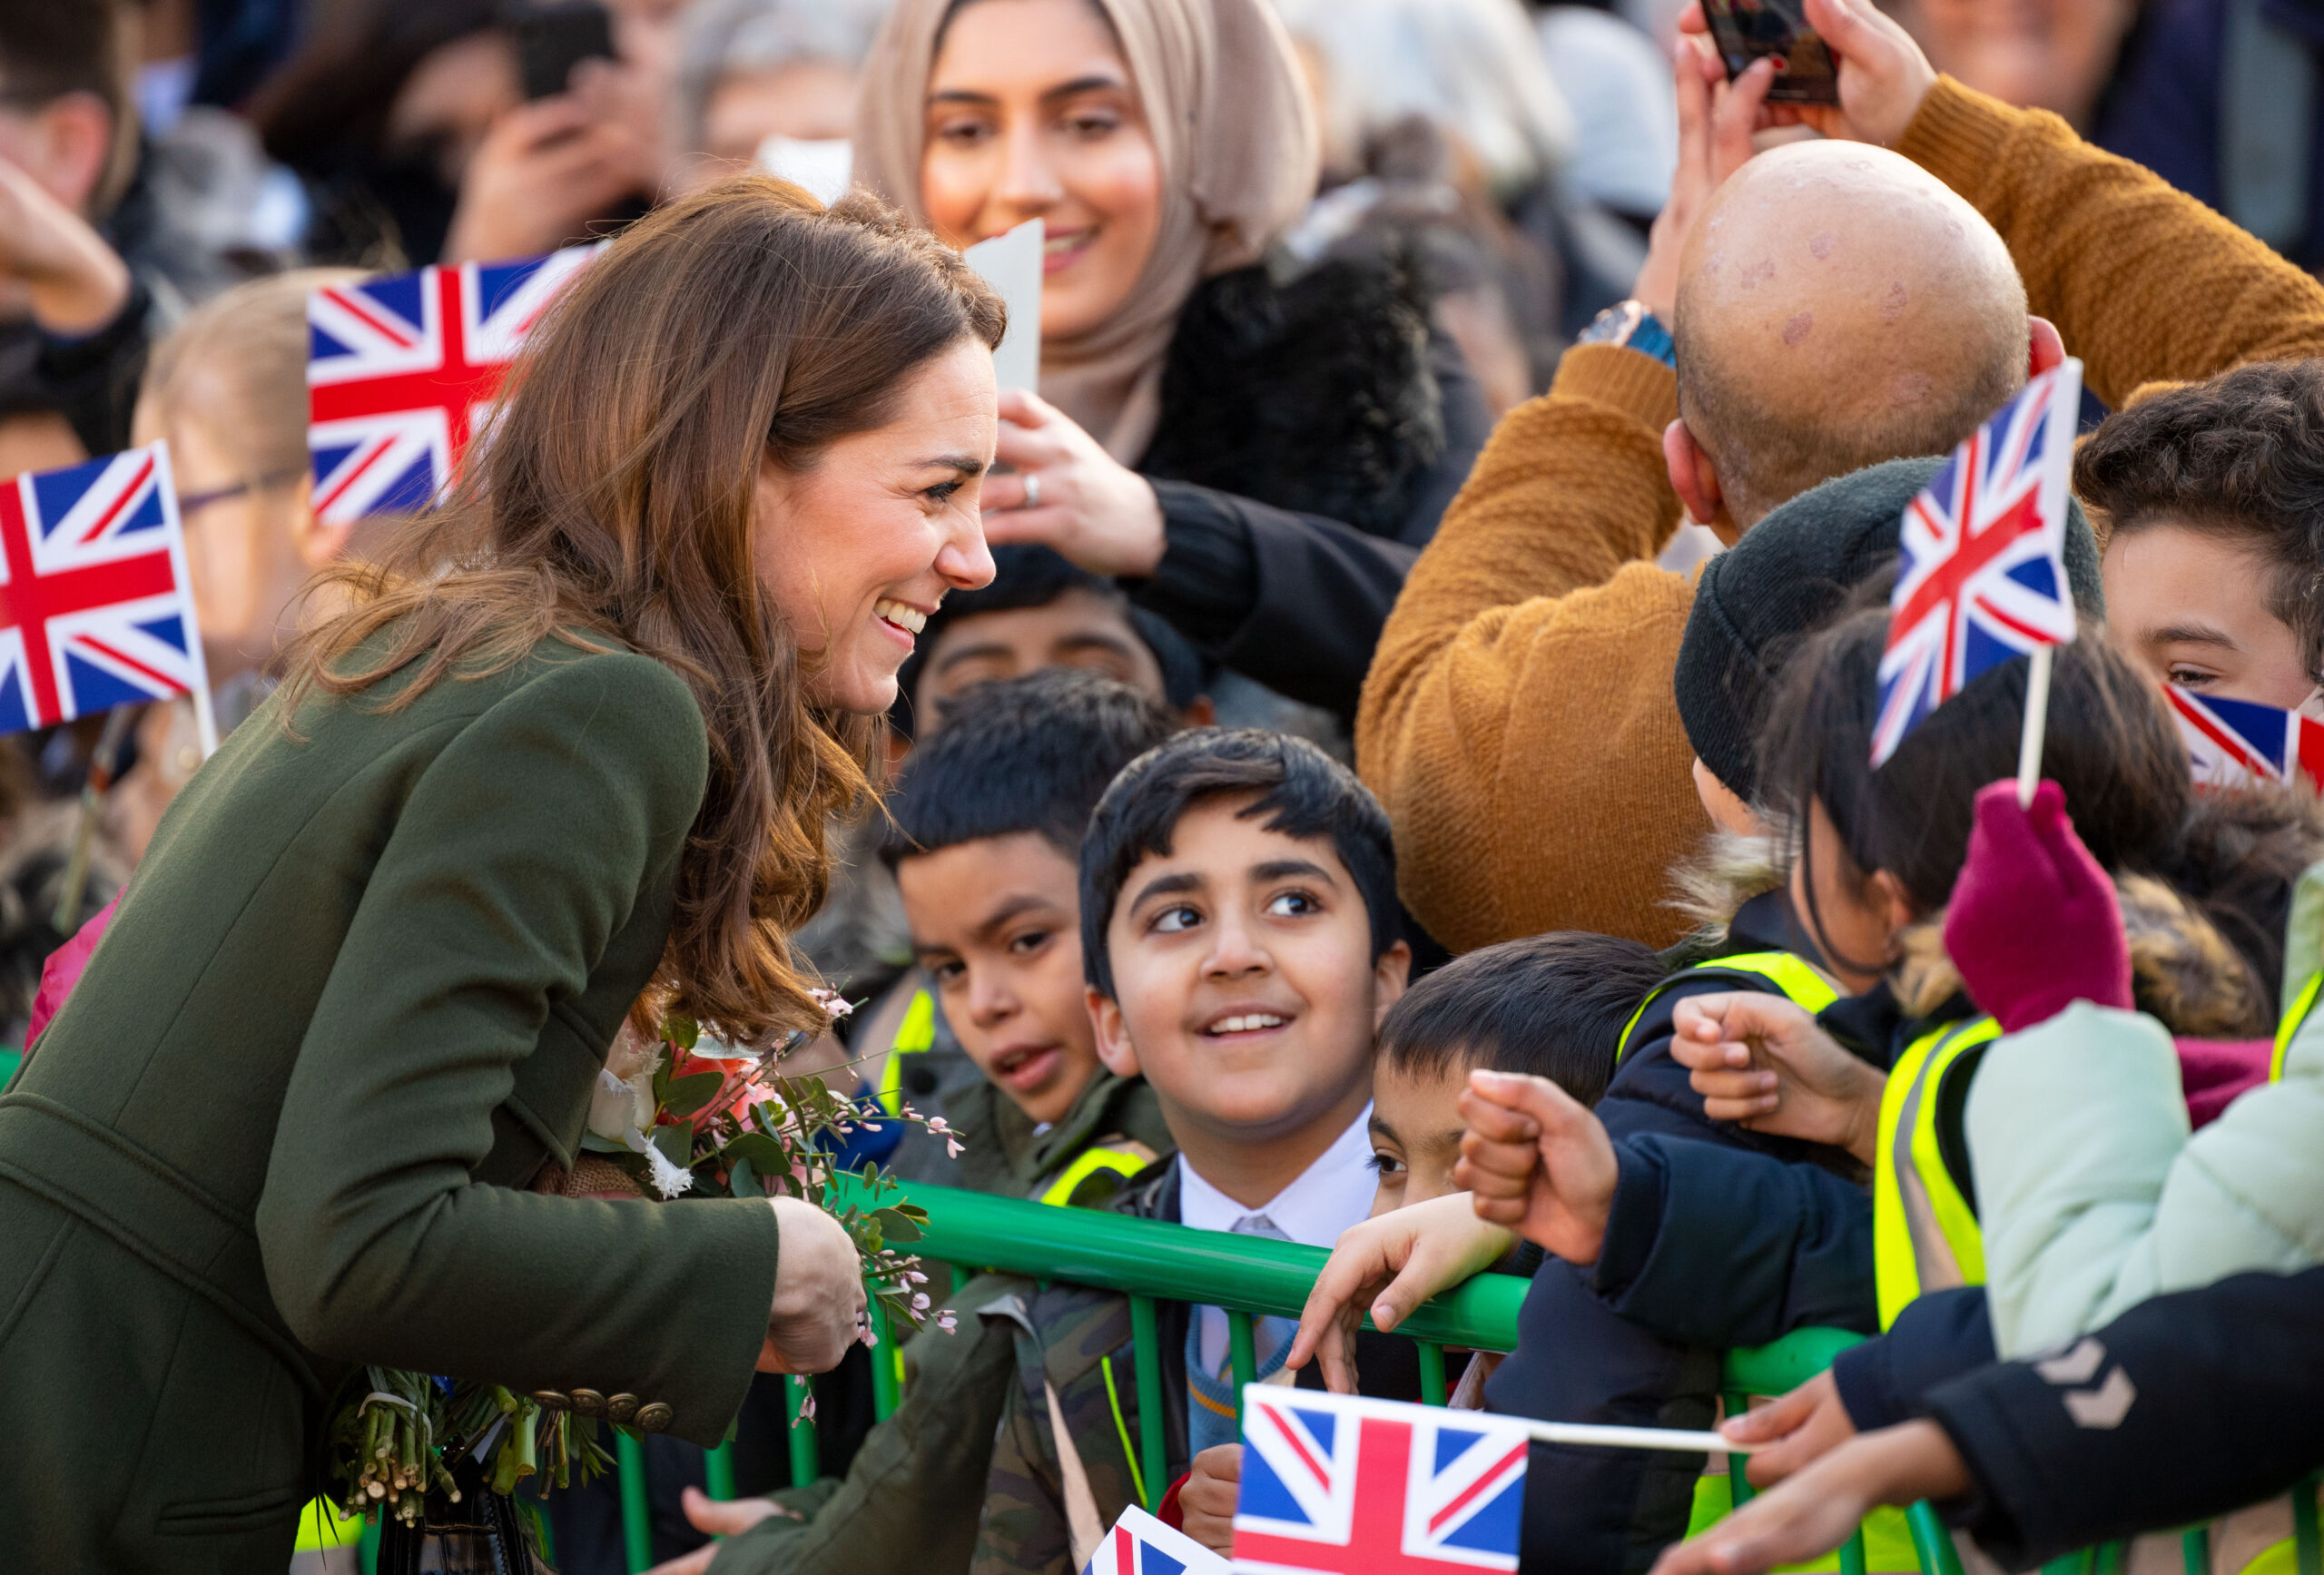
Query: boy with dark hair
x,y
1240,935
1041,611
2213,497
983,839
72,319
1554,1006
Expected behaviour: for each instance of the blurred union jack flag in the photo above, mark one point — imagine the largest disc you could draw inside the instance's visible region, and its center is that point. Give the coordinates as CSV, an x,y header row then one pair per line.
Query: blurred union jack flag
x,y
2234,742
401,371
94,611
1337,1483
1141,1545
1981,570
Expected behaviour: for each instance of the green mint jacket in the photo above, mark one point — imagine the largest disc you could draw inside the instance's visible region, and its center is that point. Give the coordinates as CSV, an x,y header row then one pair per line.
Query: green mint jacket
x,y
355,1001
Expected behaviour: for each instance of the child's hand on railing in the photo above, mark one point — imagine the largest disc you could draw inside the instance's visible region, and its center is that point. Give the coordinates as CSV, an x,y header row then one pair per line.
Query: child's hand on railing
x,y
1803,1426
1815,1512
1206,1498
1387,1266
1761,1061
720,1517
1538,1162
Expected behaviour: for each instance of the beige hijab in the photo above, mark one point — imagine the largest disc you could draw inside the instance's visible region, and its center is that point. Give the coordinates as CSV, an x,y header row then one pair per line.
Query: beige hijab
x,y
1230,114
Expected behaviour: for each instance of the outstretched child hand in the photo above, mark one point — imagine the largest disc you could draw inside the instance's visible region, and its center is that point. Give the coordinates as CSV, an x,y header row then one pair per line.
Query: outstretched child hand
x,y
2035,923
1538,1162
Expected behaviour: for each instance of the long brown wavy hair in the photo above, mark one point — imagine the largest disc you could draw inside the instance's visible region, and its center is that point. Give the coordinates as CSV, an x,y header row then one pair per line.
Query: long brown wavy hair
x,y
613,497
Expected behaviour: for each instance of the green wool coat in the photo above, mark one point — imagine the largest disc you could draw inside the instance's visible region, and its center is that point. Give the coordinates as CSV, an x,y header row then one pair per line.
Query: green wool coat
x,y
356,999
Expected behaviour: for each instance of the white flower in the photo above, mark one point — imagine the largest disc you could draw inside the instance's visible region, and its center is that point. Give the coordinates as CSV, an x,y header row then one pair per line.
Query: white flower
x,y
920,1302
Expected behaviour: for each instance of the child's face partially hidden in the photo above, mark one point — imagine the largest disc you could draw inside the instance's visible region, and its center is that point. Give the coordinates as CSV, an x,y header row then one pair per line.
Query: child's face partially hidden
x,y
1415,1132
1247,993
996,922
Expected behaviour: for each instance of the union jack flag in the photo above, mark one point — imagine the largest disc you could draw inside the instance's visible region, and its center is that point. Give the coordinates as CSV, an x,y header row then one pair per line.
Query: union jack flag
x,y
94,606
1141,1545
2234,742
400,372
1982,558
1337,1483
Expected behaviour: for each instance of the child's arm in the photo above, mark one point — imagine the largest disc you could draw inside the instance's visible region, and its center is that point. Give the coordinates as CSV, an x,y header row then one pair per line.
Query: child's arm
x,y
1538,1162
1387,1267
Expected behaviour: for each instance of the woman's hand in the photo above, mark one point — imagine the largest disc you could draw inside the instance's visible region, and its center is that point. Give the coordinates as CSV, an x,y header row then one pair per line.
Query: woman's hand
x,y
1388,1265
1538,1162
547,168
1761,1061
1799,1429
1206,1502
1716,118
818,1292
1817,1510
731,1518
1069,494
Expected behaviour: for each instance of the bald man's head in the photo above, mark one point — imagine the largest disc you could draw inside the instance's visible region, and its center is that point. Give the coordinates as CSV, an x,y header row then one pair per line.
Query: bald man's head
x,y
1838,306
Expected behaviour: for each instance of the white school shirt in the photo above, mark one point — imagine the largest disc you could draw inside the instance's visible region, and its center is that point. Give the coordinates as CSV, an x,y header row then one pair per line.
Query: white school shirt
x,y
1332,1193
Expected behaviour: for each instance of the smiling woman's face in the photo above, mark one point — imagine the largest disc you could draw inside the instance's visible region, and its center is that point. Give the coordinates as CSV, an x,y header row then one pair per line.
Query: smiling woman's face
x,y
1031,114
861,546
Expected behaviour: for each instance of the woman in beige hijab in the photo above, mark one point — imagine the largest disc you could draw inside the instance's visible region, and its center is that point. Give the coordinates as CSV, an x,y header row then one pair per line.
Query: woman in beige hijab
x,y
1257,449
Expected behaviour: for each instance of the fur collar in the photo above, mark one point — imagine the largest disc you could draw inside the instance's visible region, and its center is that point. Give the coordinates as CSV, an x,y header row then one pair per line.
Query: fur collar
x,y
1309,392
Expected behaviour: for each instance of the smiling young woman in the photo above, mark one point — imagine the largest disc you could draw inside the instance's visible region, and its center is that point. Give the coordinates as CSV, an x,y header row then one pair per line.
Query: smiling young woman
x,y
568,756
1255,446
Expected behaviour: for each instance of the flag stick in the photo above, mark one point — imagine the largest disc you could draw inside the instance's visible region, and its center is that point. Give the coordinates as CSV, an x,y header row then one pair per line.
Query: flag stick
x,y
1670,1438
2037,722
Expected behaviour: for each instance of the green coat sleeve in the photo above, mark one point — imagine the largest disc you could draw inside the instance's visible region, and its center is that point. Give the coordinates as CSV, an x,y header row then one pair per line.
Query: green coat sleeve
x,y
516,857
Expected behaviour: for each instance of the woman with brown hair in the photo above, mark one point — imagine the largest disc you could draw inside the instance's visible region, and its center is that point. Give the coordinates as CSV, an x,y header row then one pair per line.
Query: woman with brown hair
x,y
1257,447
567,756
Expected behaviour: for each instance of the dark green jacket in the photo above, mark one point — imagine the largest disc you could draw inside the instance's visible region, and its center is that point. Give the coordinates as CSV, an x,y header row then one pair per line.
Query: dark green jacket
x,y
355,1001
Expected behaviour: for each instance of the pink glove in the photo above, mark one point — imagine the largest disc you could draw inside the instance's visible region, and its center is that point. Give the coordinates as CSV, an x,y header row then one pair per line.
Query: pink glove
x,y
2033,922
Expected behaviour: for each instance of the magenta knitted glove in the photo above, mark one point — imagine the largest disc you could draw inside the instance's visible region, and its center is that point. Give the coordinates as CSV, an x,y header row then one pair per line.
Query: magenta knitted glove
x,y
2033,922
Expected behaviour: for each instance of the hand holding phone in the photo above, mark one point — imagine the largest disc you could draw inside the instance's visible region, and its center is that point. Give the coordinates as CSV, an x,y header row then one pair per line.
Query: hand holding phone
x,y
552,39
1747,30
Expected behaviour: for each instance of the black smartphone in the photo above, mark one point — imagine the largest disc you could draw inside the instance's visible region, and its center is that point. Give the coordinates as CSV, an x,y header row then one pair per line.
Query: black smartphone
x,y
1745,30
551,40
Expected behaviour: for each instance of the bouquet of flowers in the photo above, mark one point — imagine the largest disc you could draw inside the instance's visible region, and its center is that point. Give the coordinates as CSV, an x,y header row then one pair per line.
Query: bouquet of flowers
x,y
683,1114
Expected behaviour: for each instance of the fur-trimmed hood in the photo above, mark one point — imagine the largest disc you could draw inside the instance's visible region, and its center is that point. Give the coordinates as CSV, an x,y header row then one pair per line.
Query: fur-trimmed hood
x,y
1307,390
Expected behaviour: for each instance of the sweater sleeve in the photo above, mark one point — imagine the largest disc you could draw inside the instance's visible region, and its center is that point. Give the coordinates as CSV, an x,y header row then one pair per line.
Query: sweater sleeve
x,y
1518,722
517,856
2144,282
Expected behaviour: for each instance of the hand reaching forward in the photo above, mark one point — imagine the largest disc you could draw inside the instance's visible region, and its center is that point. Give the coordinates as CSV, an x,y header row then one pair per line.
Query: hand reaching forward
x,y
731,1518
1816,1510
1760,1061
818,1292
1538,1162
1207,1503
2034,922
1069,494
1388,1265
1798,1429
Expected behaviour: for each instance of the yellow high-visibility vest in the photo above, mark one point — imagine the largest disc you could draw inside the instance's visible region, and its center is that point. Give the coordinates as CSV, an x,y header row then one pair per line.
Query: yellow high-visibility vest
x,y
1791,977
2301,1007
1924,1235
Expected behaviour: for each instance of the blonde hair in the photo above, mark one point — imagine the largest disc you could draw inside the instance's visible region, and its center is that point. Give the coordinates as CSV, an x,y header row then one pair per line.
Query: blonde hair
x,y
237,367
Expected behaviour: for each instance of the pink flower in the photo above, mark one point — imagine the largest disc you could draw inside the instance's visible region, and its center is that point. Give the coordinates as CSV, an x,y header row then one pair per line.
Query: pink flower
x,y
947,1322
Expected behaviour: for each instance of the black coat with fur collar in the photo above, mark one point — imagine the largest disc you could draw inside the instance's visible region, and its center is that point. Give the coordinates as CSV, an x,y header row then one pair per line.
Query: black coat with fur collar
x,y
1312,430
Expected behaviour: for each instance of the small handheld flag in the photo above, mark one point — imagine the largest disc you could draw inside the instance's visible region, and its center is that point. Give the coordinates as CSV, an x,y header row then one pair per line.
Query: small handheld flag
x,y
1141,1545
1011,263
95,610
400,372
1982,572
2235,741
1335,1482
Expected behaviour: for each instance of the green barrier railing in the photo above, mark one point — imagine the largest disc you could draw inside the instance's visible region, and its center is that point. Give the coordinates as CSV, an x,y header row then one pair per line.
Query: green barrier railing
x,y
1150,1262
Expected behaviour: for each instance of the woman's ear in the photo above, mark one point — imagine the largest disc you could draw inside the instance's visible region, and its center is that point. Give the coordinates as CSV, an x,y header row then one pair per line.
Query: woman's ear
x,y
1891,901
319,541
1114,1048
1389,976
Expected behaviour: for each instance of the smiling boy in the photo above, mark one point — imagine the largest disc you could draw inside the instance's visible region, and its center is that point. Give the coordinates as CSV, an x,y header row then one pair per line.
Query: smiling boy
x,y
1240,935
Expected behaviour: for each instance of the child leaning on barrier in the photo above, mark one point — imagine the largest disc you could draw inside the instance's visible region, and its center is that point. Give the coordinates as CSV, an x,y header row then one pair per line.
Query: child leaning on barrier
x,y
986,828
1240,933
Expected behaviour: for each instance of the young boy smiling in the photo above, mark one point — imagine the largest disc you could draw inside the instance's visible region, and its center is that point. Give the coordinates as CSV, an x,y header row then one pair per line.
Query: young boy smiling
x,y
1240,935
